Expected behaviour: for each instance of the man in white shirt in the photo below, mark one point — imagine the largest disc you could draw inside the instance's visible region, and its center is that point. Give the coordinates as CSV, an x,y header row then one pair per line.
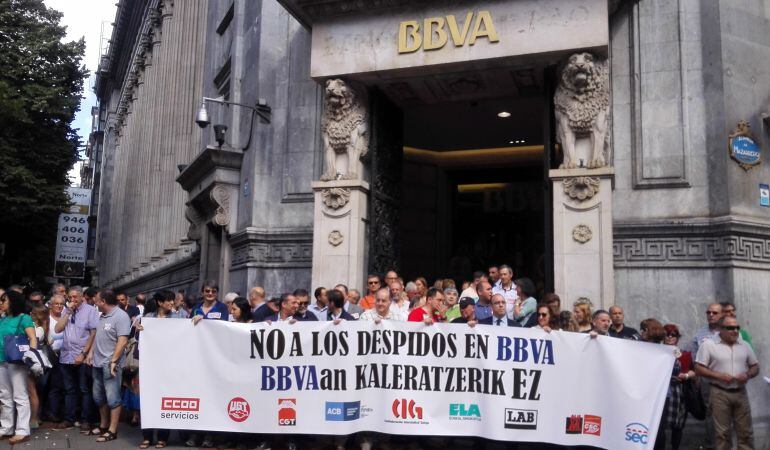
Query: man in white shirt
x,y
382,308
506,287
470,291
321,306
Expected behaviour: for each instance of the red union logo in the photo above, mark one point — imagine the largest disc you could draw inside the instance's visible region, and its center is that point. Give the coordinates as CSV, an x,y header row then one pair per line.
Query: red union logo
x,y
592,425
406,409
238,409
180,404
287,415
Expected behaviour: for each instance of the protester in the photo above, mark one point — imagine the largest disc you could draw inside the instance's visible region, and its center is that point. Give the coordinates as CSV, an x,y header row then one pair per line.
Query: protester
x,y
583,314
467,307
553,302
140,301
567,322
132,311
78,322
320,307
709,331
601,323
303,314
433,309
372,286
267,309
618,328
543,317
165,310
39,315
382,308
729,363
210,307
728,309
240,310
352,304
106,358
507,288
450,300
288,308
337,311
53,382
13,376
499,317
399,301
470,291
484,305
674,411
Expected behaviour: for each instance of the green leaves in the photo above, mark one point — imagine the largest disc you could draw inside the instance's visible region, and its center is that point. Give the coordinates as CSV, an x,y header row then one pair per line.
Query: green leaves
x,y
40,87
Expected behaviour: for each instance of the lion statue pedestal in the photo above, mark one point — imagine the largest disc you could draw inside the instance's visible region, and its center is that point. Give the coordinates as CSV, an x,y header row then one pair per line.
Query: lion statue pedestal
x,y
582,186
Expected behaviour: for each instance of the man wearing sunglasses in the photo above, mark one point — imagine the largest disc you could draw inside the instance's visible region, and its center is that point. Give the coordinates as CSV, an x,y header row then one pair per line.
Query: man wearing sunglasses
x,y
728,363
709,331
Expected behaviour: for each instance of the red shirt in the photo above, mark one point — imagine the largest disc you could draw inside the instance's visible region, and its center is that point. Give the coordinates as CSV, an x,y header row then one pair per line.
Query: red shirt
x,y
367,302
418,315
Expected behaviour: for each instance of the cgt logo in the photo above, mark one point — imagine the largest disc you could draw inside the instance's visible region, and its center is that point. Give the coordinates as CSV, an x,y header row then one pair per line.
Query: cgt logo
x,y
238,409
287,415
180,404
342,411
521,419
406,409
461,411
637,433
584,424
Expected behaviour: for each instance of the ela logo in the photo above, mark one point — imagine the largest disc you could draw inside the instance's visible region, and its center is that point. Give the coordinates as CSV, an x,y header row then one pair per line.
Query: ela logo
x,y
238,409
287,415
342,411
462,411
521,419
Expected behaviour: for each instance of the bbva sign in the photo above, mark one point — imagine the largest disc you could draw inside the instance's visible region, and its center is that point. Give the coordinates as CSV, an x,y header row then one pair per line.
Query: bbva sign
x,y
433,34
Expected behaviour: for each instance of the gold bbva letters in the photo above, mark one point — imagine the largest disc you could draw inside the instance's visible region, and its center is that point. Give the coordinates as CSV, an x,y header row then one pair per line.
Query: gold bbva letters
x,y
434,36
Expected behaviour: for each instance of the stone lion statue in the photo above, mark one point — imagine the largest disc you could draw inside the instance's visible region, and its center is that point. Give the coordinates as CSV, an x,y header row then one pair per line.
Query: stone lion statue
x,y
583,109
345,130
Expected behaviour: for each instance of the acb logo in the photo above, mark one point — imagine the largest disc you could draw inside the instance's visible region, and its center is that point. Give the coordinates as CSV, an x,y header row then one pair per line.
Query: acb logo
x,y
287,415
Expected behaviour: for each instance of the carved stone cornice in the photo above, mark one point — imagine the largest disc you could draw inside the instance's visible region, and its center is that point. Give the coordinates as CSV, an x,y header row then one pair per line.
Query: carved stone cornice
x,y
276,248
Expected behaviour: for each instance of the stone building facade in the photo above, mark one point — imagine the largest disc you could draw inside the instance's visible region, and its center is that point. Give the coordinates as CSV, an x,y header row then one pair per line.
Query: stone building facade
x,y
666,223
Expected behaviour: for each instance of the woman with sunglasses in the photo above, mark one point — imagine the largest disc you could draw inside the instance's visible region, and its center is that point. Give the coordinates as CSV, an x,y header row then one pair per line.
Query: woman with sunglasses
x,y
675,413
13,376
543,318
210,307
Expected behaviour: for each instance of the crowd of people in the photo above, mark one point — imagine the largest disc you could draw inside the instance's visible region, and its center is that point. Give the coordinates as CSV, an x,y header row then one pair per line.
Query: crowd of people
x,y
89,337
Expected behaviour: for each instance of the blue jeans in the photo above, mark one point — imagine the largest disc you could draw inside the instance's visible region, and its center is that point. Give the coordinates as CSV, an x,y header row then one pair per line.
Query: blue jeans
x,y
77,392
107,387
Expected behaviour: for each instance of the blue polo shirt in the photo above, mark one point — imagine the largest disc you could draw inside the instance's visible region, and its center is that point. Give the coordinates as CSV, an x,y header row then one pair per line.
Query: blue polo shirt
x,y
217,312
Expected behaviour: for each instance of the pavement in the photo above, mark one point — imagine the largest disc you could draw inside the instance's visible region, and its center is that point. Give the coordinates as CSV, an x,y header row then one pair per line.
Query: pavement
x,y
130,437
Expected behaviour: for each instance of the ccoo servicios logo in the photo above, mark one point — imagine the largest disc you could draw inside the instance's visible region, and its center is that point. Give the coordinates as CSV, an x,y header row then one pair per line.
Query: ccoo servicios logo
x,y
180,408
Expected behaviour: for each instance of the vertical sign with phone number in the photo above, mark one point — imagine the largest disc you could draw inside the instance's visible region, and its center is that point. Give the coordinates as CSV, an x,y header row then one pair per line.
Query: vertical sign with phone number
x,y
72,237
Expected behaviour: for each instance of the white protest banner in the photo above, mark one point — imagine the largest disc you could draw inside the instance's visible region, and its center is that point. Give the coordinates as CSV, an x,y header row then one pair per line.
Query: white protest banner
x,y
507,384
72,236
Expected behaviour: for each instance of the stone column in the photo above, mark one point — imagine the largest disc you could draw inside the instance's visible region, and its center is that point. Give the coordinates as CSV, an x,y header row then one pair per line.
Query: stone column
x,y
582,186
339,232
342,197
582,235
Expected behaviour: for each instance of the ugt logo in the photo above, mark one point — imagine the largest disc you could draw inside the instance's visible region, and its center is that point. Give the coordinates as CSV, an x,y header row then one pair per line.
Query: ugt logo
x,y
287,415
238,409
406,409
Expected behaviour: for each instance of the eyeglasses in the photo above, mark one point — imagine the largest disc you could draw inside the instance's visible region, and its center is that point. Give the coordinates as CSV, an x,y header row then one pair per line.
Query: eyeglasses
x,y
673,335
711,313
731,328
542,314
209,291
373,282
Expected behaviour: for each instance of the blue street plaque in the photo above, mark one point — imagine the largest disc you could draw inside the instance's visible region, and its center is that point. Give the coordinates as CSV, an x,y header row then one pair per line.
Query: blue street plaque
x,y
764,195
743,147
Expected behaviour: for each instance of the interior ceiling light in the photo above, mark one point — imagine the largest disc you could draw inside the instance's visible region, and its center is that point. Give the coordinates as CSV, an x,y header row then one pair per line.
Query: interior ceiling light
x,y
503,114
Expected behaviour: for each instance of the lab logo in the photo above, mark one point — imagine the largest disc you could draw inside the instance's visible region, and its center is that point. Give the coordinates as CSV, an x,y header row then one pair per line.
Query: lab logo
x,y
637,433
463,411
520,419
287,415
342,411
238,409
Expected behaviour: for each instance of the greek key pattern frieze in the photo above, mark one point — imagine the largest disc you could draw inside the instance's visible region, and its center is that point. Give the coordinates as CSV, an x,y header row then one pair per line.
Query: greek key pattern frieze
x,y
289,254
687,251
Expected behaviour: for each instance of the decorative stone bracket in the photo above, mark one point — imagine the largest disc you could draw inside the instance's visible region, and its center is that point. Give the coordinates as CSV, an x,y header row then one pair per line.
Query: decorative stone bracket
x,y
211,181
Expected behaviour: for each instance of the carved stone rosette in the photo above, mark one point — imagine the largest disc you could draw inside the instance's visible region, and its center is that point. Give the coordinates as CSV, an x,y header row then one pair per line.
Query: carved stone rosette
x,y
220,195
581,188
336,238
582,233
335,198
